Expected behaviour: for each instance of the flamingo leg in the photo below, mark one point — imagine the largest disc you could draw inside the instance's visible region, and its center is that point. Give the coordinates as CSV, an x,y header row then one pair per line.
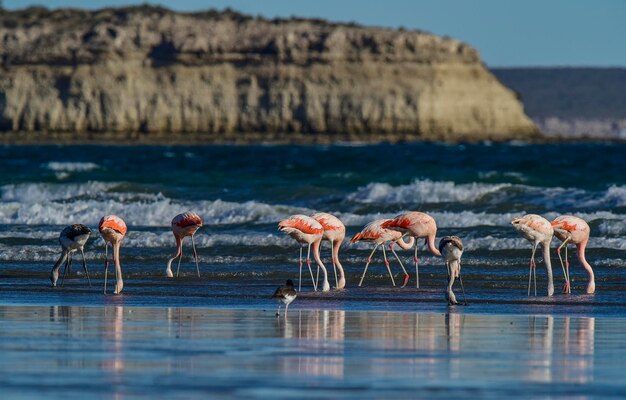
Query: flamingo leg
x,y
535,279
332,255
406,275
286,309
308,263
106,265
449,293
532,268
278,311
417,272
569,289
180,258
317,277
387,265
369,260
300,281
119,282
462,288
195,255
67,262
85,266
69,266
566,288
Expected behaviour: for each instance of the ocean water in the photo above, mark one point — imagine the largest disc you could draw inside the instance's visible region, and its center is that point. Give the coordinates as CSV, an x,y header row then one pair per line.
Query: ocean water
x,y
75,352
472,191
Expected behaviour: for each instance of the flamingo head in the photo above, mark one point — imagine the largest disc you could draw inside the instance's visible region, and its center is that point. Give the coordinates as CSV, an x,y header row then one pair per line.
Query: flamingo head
x,y
282,225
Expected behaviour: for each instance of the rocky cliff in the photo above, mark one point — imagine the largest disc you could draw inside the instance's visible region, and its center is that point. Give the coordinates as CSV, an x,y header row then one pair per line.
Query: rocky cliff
x,y
222,75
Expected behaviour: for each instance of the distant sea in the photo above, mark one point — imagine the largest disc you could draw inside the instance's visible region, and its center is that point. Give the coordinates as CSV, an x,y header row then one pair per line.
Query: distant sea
x,y
472,191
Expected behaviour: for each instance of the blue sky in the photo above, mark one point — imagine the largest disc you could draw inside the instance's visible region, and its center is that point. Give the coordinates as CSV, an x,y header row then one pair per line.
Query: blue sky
x,y
506,32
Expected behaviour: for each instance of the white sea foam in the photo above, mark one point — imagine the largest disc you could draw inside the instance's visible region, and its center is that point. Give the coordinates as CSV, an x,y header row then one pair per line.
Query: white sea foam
x,y
61,204
162,245
424,191
615,196
66,166
432,192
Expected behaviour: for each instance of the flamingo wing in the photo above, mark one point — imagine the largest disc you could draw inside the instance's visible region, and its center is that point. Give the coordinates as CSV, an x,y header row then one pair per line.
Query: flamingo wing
x,y
187,219
113,222
302,223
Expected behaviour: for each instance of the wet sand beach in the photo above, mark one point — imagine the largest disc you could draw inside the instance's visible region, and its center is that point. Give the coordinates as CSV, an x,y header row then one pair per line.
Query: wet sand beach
x,y
142,352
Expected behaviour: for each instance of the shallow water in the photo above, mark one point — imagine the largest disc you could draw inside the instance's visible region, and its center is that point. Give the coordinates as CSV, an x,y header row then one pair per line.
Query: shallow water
x,y
129,352
216,335
241,192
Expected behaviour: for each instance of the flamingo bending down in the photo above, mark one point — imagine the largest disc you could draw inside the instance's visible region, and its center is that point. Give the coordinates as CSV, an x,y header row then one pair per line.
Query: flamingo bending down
x,y
183,225
570,229
373,232
72,238
537,230
335,233
306,230
285,294
418,225
452,249
112,229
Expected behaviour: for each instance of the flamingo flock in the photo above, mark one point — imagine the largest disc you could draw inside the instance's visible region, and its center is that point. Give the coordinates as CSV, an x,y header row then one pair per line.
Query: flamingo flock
x,y
311,231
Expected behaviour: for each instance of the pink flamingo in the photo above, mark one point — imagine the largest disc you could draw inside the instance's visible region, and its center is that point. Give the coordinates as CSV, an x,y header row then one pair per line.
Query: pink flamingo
x,y
570,229
537,230
183,225
418,225
306,230
335,233
112,229
373,232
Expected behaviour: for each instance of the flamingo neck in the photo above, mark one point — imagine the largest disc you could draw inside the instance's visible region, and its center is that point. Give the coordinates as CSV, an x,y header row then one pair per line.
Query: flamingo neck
x,y
178,251
116,255
548,262
342,279
318,260
406,245
430,241
591,284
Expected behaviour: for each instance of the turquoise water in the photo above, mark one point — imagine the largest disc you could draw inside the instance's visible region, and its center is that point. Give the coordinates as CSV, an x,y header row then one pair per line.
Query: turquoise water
x,y
473,191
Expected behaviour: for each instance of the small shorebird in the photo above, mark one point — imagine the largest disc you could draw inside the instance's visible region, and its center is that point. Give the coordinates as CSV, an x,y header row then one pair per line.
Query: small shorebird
x,y
112,229
72,238
183,225
570,229
538,231
418,225
335,233
285,294
373,232
306,230
452,249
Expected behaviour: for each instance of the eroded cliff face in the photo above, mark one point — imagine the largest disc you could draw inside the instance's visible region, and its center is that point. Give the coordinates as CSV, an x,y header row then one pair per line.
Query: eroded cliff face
x,y
151,70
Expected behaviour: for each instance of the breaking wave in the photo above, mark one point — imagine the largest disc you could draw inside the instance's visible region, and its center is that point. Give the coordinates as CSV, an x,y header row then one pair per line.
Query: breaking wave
x,y
424,191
